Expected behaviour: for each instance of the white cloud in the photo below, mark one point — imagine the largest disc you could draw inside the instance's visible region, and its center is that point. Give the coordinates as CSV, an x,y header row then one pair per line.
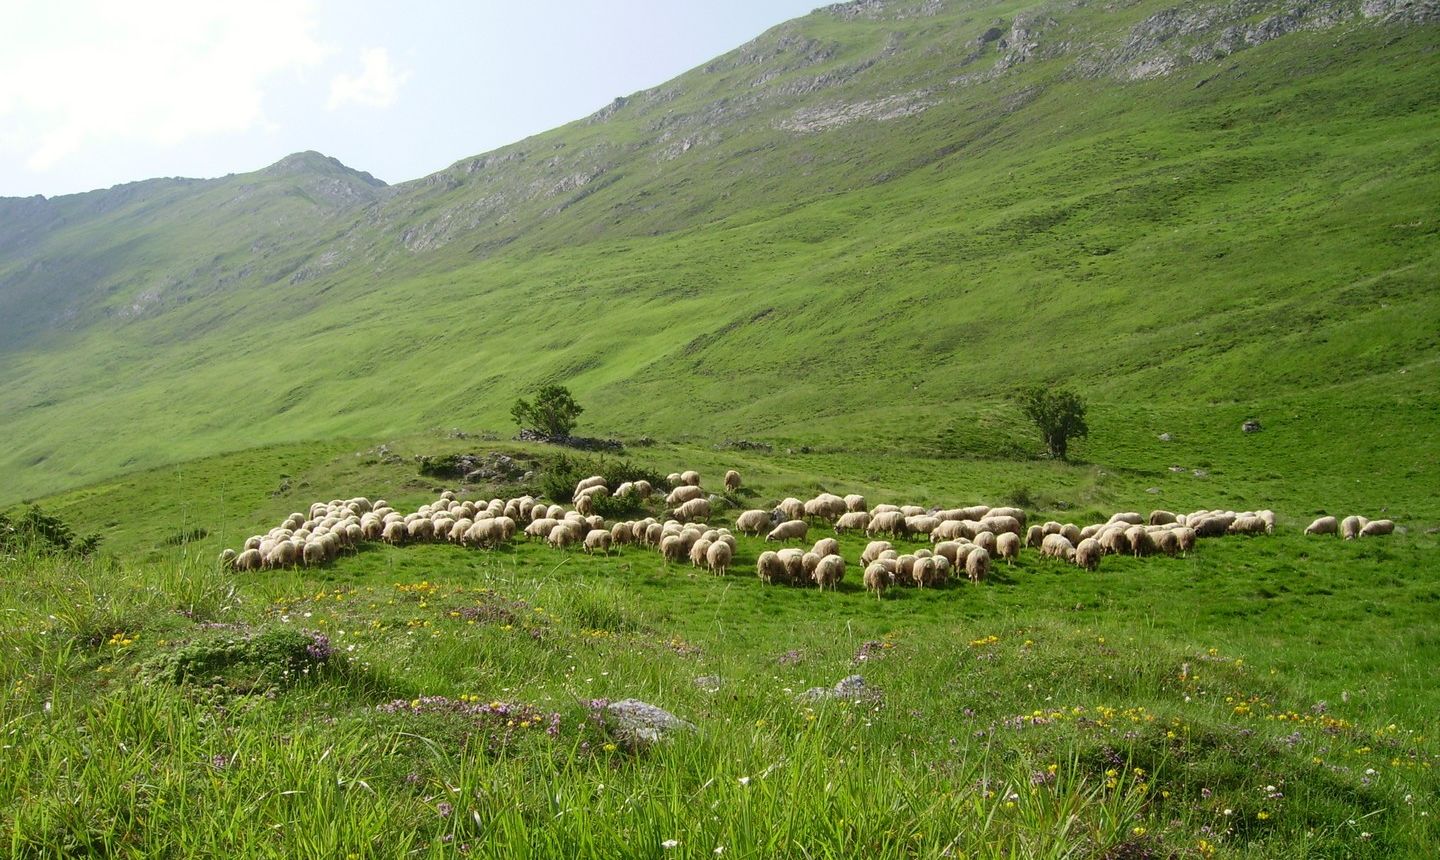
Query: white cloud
x,y
162,72
377,85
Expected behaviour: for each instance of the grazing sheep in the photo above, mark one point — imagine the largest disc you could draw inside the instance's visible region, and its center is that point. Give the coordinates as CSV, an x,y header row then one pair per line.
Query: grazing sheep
x,y
884,509
923,571
949,530
698,550
1127,517
249,559
1087,554
791,509
283,554
1350,527
1034,536
587,483
598,540
1323,526
560,537
770,568
622,533
948,550
654,534
1071,533
643,489
1091,531
695,509
808,562
1007,546
913,510
555,512
691,477
987,542
977,564
541,528
826,546
1017,513
852,521
227,557
921,524
1161,518
753,522
394,532
1142,543
682,494
1208,525
792,530
998,524
1185,538
855,503
732,481
887,522
672,548
1248,525
1375,528
825,506
718,557
877,578
829,572
873,550
794,560
1057,546
673,480
585,505
1269,517
1167,542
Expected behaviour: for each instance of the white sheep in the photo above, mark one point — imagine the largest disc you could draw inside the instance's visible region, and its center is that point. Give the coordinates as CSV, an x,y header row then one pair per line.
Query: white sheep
x,y
829,572
826,546
770,568
877,578
887,522
732,481
695,509
854,503
791,530
1087,554
852,521
977,564
1377,527
682,494
691,477
791,509
1323,526
718,557
873,550
598,540
1007,546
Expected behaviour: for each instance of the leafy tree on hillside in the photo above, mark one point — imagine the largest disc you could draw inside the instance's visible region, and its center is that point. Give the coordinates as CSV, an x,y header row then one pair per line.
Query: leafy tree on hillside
x,y
45,533
551,413
1058,412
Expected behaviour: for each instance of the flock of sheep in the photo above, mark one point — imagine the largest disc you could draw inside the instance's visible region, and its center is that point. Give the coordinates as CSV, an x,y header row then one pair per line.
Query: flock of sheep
x,y
963,540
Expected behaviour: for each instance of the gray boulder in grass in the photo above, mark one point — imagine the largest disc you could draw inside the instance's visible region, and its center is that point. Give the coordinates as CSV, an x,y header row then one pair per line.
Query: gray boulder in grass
x,y
638,723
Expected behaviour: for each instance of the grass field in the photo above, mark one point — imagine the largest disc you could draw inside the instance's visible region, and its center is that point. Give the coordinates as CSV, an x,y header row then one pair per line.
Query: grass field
x,y
1264,697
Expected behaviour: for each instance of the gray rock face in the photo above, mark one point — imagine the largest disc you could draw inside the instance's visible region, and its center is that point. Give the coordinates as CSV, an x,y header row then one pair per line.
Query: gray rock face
x,y
639,723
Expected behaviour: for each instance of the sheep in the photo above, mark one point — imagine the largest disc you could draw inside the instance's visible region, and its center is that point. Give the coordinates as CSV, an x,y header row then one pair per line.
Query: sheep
x,y
905,567
1142,543
873,550
1161,518
456,534
1033,536
598,540
698,550
585,505
852,521
1167,542
794,561
913,510
1091,531
682,494
587,483
691,477
394,532
1087,554
987,542
829,572
887,522
825,506
1001,523
826,546
227,557
1007,546
752,522
1071,533
948,549
770,568
1323,526
592,492
1128,517
732,481
1017,513
672,548
855,503
561,536
791,509
1057,546
808,562
248,559
1269,517
1247,525
252,542
921,524
941,569
643,490
884,509
555,512
1374,528
695,509
1185,538
922,571
949,530
877,579
977,565
654,534
791,530
1350,527
283,554
974,512
673,480
541,528
622,533
718,557
483,533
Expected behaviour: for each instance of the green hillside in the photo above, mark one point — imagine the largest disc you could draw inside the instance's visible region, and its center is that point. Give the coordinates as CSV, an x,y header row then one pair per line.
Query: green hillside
x,y
859,232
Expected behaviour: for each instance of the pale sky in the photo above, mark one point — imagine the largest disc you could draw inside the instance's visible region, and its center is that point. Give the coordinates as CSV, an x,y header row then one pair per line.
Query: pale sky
x,y
98,92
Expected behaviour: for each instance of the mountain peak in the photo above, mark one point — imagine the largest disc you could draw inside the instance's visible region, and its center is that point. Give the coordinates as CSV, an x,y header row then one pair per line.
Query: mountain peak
x,y
317,163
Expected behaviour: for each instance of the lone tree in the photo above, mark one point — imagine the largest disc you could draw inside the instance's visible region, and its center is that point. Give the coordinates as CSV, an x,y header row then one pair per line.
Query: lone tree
x,y
1058,412
551,413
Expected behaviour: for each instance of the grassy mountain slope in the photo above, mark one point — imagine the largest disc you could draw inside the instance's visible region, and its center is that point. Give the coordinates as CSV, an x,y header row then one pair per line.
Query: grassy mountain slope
x,y
859,231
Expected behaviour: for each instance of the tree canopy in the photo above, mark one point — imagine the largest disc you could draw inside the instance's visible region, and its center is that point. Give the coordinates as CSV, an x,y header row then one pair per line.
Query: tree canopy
x,y
552,413
1059,413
